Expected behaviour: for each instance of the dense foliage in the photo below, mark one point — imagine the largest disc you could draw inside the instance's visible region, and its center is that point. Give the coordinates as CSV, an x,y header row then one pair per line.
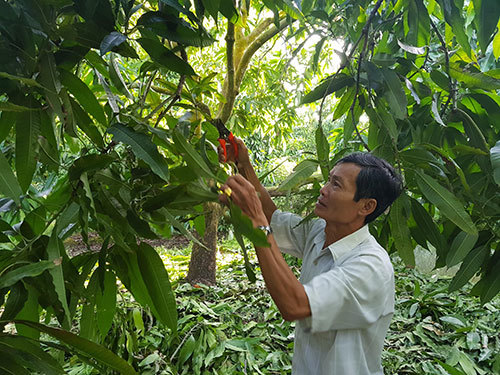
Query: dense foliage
x,y
106,110
234,328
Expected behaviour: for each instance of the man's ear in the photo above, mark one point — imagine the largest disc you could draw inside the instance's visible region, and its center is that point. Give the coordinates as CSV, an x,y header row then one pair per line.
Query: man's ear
x,y
368,205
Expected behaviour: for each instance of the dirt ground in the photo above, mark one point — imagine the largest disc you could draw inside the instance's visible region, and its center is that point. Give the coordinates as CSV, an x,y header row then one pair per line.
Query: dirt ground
x,y
75,244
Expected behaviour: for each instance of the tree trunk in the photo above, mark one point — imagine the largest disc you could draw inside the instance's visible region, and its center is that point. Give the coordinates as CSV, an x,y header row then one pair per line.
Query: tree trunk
x,y
202,264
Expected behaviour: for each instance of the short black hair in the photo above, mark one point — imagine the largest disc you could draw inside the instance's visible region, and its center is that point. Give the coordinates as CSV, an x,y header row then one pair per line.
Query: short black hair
x,y
377,179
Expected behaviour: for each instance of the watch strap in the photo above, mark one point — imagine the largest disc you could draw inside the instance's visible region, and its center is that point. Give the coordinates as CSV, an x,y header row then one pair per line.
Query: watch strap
x,y
266,229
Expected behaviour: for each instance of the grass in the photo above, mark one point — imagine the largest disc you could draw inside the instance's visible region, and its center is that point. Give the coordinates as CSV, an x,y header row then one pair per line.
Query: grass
x,y
234,328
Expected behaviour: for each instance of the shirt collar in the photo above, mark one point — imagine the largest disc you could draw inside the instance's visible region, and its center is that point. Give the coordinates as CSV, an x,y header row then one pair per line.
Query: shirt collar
x,y
346,244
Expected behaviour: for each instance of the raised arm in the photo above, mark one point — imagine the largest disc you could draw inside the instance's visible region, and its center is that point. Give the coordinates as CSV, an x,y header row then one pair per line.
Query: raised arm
x,y
287,292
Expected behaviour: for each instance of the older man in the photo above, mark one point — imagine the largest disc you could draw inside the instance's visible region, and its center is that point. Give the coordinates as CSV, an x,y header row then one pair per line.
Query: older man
x,y
344,300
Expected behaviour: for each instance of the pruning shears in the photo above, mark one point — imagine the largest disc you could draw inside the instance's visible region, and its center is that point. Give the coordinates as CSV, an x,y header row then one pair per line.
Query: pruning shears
x,y
225,135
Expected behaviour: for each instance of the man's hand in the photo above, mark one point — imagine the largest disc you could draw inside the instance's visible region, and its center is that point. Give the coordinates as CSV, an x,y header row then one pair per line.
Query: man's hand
x,y
243,158
243,194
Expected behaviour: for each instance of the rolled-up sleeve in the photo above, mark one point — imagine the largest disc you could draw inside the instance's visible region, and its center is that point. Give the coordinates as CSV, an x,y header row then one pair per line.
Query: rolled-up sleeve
x,y
289,235
350,296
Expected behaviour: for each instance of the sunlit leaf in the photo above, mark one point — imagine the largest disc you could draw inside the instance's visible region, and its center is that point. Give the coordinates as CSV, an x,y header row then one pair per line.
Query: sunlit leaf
x,y
446,202
487,17
453,17
300,173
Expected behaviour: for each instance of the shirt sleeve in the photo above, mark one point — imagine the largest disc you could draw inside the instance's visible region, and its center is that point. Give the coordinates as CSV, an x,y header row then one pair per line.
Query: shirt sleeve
x,y
353,295
288,234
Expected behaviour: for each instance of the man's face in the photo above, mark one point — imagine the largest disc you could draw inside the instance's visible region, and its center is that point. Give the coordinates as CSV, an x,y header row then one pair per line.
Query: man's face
x,y
336,201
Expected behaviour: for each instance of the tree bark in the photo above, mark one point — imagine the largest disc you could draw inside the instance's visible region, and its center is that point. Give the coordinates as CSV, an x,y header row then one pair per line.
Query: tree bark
x,y
202,264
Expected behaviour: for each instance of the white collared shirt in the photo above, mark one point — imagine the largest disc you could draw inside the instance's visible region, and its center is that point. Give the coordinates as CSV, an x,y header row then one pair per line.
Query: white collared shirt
x,y
350,287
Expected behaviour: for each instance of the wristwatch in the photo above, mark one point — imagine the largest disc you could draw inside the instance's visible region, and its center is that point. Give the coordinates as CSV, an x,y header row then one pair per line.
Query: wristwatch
x,y
266,229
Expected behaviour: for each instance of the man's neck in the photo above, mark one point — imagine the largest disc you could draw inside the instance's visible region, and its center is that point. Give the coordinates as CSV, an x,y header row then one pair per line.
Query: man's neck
x,y
335,231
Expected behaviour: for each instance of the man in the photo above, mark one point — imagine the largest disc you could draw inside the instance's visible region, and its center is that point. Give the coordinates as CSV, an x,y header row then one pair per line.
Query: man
x,y
344,300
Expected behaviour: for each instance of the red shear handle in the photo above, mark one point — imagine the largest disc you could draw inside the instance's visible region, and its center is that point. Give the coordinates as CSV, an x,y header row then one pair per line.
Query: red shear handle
x,y
234,144
222,143
231,140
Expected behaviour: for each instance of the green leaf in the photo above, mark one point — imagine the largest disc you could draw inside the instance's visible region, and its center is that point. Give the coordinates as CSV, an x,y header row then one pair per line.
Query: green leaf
x,y
469,267
474,80
85,347
181,228
89,163
244,226
11,107
453,17
106,303
175,29
491,283
8,181
111,41
24,80
186,351
473,132
192,158
86,124
461,246
212,7
156,279
400,231
495,162
50,80
383,119
83,95
327,87
446,202
143,148
344,103
227,9
27,132
426,225
418,24
29,355
117,79
55,249
395,93
28,270
164,57
18,296
323,152
300,173
487,16
418,157
7,121
30,311
496,45
248,266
